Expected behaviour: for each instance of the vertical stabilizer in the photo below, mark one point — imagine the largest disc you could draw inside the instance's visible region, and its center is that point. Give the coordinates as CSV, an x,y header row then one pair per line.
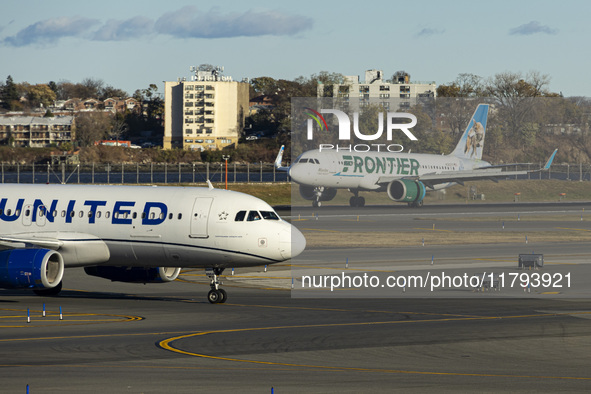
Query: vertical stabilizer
x,y
472,142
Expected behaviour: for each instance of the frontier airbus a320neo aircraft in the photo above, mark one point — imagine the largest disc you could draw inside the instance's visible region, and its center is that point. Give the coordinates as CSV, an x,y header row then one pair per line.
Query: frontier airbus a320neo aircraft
x,y
405,177
135,234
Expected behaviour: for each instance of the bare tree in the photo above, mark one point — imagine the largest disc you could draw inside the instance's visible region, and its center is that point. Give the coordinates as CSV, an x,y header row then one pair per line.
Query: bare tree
x,y
91,127
515,97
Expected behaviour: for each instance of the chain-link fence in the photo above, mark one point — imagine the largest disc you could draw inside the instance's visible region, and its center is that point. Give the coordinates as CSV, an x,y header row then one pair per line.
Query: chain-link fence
x,y
564,172
162,173
152,173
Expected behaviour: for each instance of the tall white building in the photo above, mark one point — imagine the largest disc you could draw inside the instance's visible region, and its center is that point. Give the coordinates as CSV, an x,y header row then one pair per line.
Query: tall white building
x,y
205,113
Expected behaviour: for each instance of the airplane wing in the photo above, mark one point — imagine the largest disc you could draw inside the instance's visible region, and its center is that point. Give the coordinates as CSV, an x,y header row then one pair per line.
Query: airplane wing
x,y
76,248
21,242
493,173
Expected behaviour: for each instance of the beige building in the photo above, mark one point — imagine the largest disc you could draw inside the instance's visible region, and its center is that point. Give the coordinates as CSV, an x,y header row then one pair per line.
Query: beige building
x,y
206,113
395,94
36,132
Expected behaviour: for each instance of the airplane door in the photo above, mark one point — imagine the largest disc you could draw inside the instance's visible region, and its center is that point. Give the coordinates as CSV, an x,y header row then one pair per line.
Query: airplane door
x,y
200,216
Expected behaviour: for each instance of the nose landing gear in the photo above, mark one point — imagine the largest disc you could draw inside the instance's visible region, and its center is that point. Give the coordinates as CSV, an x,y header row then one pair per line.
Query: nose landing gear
x,y
216,295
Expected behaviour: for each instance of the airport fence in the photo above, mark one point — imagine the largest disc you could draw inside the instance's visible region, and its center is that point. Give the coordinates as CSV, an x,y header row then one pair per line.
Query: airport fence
x,y
182,173
564,172
152,173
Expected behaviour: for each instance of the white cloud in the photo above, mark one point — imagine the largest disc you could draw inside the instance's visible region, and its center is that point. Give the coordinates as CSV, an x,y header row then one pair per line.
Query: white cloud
x,y
188,22
115,30
50,31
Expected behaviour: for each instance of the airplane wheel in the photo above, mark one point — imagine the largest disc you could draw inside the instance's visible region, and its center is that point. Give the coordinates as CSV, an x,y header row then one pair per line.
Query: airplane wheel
x,y
361,201
316,204
224,296
357,201
214,296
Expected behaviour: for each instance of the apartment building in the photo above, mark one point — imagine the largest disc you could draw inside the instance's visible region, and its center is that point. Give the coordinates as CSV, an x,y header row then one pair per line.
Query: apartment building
x,y
36,132
206,112
398,93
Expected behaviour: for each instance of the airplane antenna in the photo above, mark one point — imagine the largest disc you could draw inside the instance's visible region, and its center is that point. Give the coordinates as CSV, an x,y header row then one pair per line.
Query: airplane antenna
x,y
209,184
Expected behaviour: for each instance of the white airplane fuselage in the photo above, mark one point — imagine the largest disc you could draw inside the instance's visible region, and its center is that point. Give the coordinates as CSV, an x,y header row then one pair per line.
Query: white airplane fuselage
x,y
363,170
137,226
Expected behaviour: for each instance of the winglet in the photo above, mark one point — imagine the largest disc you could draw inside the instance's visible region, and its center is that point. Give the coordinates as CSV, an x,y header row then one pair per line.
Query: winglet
x,y
279,158
549,162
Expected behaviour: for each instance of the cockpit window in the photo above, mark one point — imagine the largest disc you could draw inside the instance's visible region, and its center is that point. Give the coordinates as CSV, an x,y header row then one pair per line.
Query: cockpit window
x,y
240,216
310,160
269,215
253,215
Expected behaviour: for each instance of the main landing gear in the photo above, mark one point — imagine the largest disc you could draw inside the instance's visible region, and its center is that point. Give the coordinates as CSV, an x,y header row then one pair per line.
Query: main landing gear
x,y
216,295
356,201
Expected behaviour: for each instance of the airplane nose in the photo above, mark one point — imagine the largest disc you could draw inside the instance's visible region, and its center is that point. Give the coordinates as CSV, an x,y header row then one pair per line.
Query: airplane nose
x,y
292,242
295,172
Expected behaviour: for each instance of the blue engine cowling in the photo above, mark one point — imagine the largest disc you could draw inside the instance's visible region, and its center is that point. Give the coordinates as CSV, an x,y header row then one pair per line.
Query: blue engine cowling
x,y
30,269
134,274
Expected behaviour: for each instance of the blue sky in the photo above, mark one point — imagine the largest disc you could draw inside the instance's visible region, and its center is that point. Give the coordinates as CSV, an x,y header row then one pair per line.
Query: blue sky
x,y
130,44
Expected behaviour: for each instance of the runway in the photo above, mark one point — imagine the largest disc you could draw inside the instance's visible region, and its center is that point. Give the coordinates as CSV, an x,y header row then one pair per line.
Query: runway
x,y
118,337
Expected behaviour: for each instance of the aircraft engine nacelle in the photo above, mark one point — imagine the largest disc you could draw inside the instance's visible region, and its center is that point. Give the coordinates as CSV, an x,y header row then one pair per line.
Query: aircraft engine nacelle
x,y
406,190
30,269
310,193
134,274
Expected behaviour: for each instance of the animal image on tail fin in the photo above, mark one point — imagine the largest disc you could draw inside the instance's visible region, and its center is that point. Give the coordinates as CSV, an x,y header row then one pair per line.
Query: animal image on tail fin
x,y
472,141
475,139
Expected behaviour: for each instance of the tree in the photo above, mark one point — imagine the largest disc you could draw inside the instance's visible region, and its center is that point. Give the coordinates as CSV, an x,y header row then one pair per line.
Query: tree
x,y
110,92
38,95
151,112
325,78
91,88
517,101
118,127
10,97
263,85
91,127
465,85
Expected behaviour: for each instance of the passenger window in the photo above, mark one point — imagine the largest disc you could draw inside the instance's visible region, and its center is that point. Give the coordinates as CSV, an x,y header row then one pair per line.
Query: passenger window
x,y
269,215
108,214
27,212
170,216
180,216
98,214
240,216
134,215
253,215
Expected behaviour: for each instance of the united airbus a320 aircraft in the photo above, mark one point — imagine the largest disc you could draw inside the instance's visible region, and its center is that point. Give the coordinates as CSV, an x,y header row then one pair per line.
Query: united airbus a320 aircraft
x,y
405,177
135,234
